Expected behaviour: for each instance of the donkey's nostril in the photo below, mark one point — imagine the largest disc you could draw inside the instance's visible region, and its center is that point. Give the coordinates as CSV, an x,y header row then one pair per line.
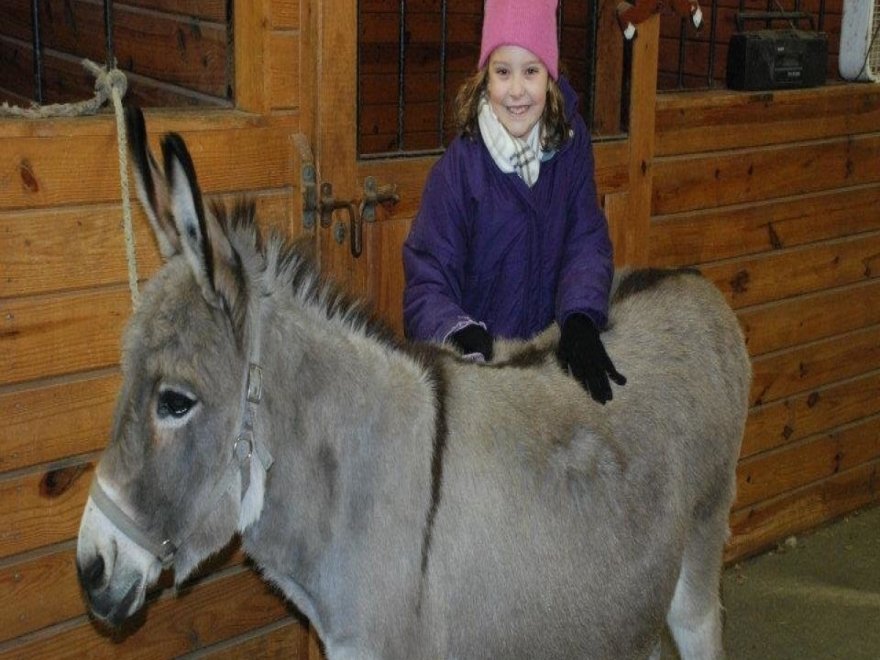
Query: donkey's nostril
x,y
93,575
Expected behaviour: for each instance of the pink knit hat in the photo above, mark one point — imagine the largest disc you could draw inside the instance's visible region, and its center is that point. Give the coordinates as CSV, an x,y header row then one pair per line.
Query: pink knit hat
x,y
529,24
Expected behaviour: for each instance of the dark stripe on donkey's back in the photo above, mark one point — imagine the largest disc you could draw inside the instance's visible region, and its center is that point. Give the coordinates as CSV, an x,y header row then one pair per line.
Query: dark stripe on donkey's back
x,y
441,431
644,279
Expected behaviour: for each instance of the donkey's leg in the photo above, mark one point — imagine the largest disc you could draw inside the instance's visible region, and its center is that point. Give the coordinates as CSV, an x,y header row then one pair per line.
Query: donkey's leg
x,y
694,617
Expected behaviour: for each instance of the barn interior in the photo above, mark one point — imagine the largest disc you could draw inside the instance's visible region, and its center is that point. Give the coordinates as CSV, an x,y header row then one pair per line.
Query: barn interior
x,y
321,109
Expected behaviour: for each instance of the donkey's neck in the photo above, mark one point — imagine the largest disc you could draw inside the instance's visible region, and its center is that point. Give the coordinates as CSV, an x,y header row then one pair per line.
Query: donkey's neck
x,y
350,420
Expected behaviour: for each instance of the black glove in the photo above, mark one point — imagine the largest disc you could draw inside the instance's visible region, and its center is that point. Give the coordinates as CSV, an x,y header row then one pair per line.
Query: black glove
x,y
582,355
473,339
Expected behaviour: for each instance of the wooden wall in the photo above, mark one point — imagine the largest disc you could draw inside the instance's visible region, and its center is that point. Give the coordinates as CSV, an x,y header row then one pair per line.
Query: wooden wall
x,y
777,198
64,300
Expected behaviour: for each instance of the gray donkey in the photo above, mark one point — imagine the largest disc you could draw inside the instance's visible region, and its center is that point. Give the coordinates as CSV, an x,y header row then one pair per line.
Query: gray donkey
x,y
410,504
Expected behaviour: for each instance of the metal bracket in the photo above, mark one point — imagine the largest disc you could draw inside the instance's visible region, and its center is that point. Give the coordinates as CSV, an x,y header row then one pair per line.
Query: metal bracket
x,y
375,194
310,196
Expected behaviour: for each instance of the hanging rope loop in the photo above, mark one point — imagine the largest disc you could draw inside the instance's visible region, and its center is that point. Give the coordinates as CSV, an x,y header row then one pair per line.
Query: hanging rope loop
x,y
110,85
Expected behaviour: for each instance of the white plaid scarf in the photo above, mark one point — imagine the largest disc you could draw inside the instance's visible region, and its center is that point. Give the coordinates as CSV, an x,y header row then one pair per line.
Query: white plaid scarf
x,y
511,154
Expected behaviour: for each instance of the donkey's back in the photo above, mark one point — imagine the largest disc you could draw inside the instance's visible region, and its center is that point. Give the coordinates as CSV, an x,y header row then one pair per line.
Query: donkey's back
x,y
569,529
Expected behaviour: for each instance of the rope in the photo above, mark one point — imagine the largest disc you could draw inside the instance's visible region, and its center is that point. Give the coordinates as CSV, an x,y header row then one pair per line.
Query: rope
x,y
110,84
105,81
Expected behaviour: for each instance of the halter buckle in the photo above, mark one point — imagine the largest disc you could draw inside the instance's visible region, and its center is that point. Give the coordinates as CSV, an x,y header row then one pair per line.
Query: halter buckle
x,y
244,446
255,383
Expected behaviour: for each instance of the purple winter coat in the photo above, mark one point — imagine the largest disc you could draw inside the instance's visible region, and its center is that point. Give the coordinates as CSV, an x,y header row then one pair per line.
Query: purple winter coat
x,y
486,248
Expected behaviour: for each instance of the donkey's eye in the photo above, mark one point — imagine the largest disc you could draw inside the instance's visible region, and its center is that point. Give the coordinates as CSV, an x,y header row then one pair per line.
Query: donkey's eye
x,y
173,404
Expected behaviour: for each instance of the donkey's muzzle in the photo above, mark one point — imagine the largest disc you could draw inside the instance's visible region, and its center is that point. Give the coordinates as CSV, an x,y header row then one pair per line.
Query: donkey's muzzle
x,y
110,605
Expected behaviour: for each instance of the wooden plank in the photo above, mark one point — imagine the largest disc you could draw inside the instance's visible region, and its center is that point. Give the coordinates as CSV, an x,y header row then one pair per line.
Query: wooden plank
x,y
62,249
787,273
800,416
383,243
608,95
285,14
642,164
219,609
289,638
209,10
226,160
251,26
717,119
801,319
62,333
734,231
50,421
758,527
38,509
616,207
781,374
44,591
17,71
70,248
795,466
159,121
755,174
283,74
612,166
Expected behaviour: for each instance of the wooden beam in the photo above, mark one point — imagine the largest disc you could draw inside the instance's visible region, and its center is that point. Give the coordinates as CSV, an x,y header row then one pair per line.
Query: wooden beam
x,y
643,93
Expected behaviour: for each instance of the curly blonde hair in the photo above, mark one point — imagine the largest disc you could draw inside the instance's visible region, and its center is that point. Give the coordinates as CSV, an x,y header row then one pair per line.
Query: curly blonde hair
x,y
467,104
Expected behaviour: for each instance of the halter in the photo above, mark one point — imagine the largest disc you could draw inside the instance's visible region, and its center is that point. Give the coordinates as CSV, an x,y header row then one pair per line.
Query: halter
x,y
245,447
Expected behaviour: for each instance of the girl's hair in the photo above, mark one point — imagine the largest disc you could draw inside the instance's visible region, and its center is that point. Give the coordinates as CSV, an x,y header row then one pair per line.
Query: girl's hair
x,y
467,104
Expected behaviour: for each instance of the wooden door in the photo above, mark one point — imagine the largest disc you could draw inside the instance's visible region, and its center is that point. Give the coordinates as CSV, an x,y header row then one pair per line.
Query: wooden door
x,y
377,273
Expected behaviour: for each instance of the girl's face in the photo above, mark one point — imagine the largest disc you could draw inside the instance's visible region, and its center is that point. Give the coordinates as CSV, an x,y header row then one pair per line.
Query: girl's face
x,y
517,88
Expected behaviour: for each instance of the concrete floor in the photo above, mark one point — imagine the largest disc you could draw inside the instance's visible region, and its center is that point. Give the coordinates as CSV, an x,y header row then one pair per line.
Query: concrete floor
x,y
815,597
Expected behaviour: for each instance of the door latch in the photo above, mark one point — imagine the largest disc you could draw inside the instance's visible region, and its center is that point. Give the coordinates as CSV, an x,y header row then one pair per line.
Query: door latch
x,y
327,204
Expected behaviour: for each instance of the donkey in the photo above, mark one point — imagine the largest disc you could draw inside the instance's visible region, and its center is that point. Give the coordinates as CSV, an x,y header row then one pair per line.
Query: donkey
x,y
413,505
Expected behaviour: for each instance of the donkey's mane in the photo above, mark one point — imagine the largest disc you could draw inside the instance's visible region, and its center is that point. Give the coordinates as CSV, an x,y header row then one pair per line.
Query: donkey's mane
x,y
291,264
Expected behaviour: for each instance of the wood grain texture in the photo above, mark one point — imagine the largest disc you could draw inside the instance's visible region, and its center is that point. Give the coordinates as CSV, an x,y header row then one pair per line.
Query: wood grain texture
x,y
87,172
748,119
46,336
805,367
218,609
754,174
796,465
758,527
42,508
714,234
52,420
787,273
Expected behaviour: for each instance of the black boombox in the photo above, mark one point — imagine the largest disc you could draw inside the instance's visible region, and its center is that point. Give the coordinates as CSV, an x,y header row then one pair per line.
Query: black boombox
x,y
776,59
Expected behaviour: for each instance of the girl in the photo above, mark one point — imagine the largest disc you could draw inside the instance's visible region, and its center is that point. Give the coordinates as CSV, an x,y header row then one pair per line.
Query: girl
x,y
509,236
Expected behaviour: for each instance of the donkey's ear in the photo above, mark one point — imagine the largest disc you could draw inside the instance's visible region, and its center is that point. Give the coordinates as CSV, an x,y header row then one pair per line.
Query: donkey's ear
x,y
214,262
152,189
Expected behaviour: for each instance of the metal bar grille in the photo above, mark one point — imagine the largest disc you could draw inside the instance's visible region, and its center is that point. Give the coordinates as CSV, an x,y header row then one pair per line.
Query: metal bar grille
x,y
37,45
38,51
411,81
